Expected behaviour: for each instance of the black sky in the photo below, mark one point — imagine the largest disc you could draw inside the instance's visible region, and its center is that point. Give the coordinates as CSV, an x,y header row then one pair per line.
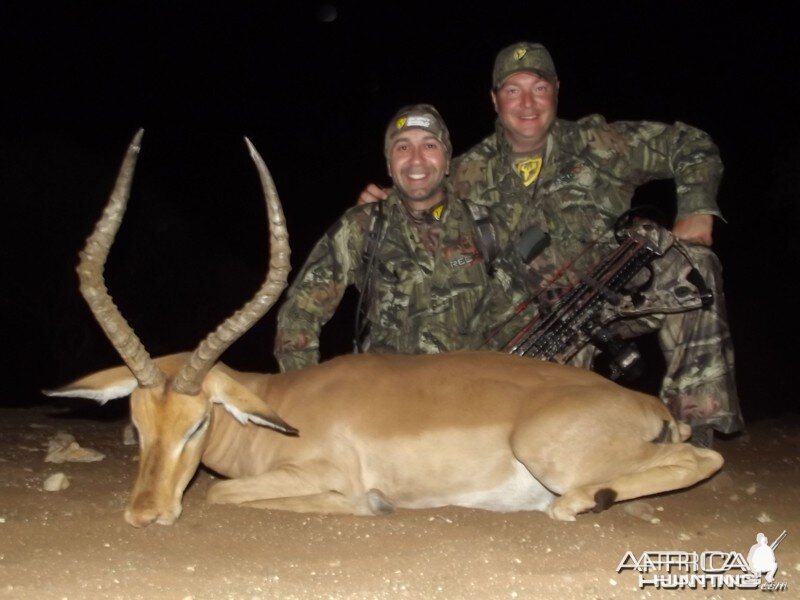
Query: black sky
x,y
314,93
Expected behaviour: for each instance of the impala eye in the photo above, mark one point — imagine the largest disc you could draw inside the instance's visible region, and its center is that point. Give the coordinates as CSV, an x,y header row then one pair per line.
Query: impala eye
x,y
198,428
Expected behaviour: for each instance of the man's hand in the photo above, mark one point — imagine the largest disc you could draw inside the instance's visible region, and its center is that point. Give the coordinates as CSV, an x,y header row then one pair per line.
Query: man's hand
x,y
373,193
695,228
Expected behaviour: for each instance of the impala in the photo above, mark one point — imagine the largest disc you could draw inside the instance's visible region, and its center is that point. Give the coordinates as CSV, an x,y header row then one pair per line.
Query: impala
x,y
365,434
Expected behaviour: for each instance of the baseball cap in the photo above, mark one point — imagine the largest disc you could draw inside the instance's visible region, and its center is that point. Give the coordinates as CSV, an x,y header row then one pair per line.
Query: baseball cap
x,y
419,116
523,56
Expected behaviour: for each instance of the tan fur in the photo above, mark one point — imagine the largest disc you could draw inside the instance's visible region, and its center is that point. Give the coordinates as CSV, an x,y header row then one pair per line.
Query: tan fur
x,y
489,430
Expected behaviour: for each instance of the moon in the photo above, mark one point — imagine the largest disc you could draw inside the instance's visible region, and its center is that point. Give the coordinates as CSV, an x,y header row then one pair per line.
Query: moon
x,y
327,13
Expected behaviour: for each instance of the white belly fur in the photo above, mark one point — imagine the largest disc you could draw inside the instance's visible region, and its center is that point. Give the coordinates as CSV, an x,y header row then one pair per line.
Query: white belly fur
x,y
474,468
519,492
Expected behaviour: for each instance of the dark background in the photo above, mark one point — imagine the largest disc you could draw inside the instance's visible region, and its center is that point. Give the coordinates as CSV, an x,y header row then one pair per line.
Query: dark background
x,y
313,85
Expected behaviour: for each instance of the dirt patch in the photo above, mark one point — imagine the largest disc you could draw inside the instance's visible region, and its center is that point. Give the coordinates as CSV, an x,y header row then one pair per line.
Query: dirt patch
x,y
74,544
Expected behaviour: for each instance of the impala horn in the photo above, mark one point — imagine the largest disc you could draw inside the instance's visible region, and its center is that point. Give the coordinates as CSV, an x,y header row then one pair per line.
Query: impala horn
x,y
121,334
191,375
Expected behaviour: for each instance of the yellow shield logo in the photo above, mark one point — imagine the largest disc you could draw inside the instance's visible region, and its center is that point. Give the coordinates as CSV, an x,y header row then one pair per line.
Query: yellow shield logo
x,y
401,122
520,53
529,169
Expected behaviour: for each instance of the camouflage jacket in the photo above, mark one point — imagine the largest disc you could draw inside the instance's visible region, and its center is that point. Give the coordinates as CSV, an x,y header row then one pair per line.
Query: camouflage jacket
x,y
591,170
418,301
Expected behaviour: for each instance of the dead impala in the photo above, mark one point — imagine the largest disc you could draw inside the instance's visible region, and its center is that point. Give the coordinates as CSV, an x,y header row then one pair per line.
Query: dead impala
x,y
374,432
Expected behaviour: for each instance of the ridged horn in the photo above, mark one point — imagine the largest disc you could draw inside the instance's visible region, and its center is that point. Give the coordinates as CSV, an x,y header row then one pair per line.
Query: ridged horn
x,y
92,281
190,377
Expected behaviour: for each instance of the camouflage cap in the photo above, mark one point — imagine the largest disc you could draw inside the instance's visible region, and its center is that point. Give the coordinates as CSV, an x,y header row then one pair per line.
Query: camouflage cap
x,y
419,116
523,56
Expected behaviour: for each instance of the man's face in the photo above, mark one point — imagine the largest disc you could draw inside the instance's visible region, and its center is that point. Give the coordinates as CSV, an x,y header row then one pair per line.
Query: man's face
x,y
418,165
526,105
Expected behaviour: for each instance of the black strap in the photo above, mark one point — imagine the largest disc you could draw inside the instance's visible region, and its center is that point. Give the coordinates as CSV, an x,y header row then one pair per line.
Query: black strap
x,y
486,237
370,251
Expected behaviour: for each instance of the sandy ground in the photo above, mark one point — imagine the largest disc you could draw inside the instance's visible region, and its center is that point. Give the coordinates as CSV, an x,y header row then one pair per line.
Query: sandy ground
x,y
74,543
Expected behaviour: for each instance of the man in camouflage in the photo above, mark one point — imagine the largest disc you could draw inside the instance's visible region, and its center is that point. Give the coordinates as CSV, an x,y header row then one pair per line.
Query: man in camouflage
x,y
573,180
423,279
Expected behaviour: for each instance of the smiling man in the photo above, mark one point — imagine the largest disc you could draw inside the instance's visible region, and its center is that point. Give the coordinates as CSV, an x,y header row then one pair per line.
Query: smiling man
x,y
415,259
573,179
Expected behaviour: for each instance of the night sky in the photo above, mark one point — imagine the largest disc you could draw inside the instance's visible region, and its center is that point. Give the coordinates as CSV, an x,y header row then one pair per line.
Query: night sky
x,y
313,86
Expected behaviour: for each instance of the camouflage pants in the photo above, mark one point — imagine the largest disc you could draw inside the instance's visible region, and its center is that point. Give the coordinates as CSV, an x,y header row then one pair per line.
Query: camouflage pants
x,y
699,384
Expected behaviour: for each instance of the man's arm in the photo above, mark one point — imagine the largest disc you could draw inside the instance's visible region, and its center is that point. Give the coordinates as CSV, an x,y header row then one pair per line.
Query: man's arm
x,y
316,293
687,155
695,228
698,171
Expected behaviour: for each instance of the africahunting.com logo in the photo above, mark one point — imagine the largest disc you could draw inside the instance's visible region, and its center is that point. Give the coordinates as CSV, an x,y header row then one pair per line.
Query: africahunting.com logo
x,y
712,569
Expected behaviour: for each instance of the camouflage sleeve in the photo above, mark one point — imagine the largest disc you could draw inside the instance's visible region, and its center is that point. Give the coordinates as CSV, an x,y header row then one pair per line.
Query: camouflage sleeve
x,y
317,291
661,151
469,173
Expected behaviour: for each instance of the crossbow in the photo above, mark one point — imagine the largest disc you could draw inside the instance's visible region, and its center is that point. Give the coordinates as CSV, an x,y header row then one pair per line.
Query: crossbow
x,y
583,312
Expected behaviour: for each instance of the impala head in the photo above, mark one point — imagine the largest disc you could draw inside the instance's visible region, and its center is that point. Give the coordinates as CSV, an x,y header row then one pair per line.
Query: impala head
x,y
172,397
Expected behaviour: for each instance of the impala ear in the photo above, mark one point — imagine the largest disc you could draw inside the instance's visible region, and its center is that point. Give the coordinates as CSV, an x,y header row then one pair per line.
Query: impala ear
x,y
242,404
101,386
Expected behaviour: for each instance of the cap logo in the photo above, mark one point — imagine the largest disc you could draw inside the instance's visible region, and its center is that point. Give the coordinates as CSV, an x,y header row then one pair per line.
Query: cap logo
x,y
520,53
401,122
419,121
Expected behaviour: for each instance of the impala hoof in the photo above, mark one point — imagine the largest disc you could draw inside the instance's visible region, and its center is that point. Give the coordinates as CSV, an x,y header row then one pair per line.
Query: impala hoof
x,y
378,503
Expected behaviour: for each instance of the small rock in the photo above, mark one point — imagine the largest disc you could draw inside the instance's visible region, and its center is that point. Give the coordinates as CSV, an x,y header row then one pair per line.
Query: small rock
x,y
684,537
751,489
63,448
445,519
640,510
56,482
764,518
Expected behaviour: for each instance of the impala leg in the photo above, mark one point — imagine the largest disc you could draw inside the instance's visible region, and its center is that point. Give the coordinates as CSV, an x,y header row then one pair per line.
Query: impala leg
x,y
331,503
280,483
295,489
668,467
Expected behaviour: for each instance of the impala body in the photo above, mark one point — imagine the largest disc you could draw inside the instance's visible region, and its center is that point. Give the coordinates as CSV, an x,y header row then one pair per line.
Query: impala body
x,y
364,434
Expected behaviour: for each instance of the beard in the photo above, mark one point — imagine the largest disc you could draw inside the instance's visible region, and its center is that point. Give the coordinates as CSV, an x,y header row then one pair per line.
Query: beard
x,y
419,195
